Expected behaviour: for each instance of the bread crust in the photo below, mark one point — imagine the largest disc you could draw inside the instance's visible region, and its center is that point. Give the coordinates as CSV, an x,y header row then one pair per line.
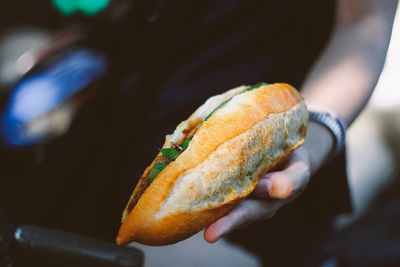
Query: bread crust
x,y
223,163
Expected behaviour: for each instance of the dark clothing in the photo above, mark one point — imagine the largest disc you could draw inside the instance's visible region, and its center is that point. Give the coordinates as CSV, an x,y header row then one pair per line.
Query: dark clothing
x,y
207,49
160,72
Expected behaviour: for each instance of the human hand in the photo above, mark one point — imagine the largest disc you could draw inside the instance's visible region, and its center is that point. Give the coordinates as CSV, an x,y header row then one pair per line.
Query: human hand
x,y
274,190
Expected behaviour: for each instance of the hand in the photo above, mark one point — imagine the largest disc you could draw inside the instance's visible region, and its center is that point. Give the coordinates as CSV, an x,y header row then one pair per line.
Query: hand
x,y
274,190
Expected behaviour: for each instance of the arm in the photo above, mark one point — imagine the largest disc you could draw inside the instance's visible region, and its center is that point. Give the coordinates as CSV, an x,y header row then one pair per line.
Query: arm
x,y
346,73
343,79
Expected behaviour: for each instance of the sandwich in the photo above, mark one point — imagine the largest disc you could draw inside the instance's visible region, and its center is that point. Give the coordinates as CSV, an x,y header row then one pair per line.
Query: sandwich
x,y
212,160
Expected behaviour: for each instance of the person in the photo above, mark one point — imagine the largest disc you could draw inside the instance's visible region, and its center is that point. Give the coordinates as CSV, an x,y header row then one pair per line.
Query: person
x,y
342,79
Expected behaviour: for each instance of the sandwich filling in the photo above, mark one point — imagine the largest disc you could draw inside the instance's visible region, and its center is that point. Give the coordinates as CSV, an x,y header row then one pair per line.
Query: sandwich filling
x,y
176,148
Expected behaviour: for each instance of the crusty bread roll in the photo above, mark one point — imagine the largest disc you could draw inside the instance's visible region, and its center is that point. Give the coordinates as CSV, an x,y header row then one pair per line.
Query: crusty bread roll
x,y
230,150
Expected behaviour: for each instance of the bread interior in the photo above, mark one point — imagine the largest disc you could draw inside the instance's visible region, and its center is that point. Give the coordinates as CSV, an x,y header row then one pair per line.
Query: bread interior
x,y
189,127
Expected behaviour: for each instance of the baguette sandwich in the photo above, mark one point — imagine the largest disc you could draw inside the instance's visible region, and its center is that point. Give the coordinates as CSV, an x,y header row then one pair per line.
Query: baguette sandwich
x,y
212,160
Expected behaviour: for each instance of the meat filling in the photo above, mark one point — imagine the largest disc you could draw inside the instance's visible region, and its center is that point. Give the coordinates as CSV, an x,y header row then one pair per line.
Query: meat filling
x,y
144,183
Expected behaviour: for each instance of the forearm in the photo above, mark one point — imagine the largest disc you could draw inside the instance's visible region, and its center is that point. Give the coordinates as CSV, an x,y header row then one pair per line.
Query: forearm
x,y
347,71
318,144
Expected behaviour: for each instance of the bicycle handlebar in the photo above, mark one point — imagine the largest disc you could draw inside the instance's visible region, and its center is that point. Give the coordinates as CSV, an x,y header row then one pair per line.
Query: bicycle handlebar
x,y
67,249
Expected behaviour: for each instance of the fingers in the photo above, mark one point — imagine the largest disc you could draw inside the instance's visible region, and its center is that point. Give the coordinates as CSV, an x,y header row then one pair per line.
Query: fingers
x,y
244,213
287,182
274,185
281,185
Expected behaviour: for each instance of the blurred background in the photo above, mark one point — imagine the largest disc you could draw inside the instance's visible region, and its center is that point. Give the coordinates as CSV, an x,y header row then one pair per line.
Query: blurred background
x,y
374,139
66,150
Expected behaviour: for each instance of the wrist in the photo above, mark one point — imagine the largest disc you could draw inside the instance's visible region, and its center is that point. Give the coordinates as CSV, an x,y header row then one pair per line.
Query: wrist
x,y
319,144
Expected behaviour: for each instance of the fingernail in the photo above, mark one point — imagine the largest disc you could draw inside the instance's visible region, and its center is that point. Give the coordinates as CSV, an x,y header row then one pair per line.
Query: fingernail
x,y
281,189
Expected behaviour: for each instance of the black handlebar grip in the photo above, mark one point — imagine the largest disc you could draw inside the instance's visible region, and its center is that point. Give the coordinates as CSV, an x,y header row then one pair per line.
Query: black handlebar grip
x,y
60,248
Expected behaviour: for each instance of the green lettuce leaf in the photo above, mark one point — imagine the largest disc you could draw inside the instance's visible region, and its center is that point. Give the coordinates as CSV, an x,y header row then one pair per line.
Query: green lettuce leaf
x,y
255,86
186,144
170,153
157,168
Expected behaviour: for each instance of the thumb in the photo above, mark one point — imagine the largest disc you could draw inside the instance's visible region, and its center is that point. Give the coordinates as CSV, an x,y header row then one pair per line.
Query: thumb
x,y
283,184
